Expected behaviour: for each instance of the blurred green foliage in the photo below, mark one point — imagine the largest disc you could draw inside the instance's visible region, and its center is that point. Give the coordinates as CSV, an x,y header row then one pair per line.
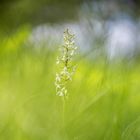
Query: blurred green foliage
x,y
19,12
103,103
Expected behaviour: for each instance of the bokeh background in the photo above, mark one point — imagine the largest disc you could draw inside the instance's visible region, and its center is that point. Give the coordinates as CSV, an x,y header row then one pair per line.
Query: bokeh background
x,y
104,96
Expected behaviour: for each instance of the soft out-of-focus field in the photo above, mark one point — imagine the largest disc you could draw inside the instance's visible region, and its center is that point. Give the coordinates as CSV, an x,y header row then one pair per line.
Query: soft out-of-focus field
x,y
103,103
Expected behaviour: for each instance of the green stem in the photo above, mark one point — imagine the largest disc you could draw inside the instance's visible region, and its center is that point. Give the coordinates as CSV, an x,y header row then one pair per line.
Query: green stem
x,y
63,110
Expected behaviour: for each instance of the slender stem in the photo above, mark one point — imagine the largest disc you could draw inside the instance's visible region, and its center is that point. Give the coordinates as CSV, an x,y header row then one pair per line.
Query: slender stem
x,y
66,63
63,110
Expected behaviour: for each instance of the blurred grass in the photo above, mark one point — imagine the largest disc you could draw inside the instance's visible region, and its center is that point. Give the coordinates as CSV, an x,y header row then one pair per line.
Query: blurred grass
x,y
103,101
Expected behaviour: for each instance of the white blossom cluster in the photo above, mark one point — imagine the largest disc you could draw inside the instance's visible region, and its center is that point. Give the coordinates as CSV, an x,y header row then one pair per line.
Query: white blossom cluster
x,y
65,62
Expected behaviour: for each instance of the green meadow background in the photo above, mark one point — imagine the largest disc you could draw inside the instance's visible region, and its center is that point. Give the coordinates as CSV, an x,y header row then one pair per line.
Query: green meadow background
x,y
103,102
104,95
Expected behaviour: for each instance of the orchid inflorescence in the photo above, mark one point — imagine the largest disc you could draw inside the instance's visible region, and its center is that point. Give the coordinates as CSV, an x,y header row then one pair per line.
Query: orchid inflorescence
x,y
65,62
